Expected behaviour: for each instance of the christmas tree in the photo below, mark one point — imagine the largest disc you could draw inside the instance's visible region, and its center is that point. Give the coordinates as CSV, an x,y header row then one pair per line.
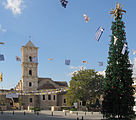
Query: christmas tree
x,y
118,91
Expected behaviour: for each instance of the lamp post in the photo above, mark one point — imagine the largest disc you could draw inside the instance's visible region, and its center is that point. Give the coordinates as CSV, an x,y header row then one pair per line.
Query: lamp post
x,y
1,76
1,80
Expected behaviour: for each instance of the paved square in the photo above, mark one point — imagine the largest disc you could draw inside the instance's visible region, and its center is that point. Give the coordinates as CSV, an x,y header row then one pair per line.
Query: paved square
x,y
47,115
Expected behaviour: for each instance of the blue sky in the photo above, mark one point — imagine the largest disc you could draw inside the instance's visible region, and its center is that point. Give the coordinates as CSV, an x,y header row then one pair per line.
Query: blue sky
x,y
60,33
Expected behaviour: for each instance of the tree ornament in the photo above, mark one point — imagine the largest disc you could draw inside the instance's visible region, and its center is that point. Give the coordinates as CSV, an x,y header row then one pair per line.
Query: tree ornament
x,y
118,11
115,39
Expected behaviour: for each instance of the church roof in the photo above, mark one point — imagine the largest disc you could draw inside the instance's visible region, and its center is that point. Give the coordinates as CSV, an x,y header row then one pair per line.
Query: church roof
x,y
29,44
48,83
47,86
61,83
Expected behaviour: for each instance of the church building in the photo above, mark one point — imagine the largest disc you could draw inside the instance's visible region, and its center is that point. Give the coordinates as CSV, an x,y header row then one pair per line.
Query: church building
x,y
30,81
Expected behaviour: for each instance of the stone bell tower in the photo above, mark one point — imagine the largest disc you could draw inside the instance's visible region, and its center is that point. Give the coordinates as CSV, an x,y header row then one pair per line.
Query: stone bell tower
x,y
29,67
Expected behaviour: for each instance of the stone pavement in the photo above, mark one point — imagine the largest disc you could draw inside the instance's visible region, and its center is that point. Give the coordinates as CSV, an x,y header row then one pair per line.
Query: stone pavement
x,y
48,115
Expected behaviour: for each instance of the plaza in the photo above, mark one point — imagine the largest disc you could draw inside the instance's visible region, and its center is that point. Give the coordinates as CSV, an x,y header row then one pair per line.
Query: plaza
x,y
77,64
48,115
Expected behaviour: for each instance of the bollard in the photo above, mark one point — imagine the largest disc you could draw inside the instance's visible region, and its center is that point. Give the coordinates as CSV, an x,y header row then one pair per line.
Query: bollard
x,y
77,118
85,113
82,118
1,112
37,113
77,113
92,112
24,113
13,112
65,113
51,113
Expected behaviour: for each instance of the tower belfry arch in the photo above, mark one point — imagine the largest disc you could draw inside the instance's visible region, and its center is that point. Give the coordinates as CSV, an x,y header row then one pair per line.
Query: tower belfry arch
x,y
29,67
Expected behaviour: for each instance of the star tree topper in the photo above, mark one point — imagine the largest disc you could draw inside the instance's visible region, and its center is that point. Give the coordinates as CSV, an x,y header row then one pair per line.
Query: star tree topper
x,y
118,11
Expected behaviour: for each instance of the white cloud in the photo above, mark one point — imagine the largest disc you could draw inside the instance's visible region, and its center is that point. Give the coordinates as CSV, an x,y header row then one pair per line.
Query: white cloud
x,y
78,67
73,67
4,30
14,5
75,71
71,73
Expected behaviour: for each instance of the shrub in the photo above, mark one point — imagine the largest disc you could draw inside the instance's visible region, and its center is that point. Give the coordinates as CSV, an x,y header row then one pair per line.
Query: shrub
x,y
35,109
73,109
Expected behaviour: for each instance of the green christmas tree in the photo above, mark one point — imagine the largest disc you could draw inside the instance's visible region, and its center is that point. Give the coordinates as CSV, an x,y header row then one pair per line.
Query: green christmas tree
x,y
118,91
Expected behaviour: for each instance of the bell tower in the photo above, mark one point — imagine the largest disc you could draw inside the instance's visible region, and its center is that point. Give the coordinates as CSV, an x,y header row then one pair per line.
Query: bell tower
x,y
29,67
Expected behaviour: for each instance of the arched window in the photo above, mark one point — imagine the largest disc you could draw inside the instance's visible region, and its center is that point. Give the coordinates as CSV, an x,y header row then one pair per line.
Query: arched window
x,y
30,84
43,97
49,97
54,97
64,100
30,100
30,72
30,59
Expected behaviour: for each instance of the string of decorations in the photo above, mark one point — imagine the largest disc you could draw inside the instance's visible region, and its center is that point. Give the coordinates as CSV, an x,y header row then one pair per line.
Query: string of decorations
x,y
38,92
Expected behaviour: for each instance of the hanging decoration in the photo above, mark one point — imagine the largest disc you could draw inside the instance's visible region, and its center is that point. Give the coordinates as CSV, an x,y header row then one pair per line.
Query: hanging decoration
x,y
84,62
1,57
1,42
64,3
99,32
100,63
124,49
35,59
86,18
67,62
18,58
50,59
38,92
115,39
134,52
1,77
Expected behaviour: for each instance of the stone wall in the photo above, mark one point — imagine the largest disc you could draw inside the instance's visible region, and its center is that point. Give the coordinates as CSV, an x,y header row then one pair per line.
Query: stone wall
x,y
60,100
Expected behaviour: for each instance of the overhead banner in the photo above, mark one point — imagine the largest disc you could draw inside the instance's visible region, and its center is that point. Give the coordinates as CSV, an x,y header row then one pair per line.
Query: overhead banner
x,y
14,94
11,95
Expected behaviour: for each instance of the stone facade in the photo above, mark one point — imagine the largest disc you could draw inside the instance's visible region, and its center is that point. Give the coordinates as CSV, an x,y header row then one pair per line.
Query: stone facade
x,y
29,67
7,102
61,99
31,82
